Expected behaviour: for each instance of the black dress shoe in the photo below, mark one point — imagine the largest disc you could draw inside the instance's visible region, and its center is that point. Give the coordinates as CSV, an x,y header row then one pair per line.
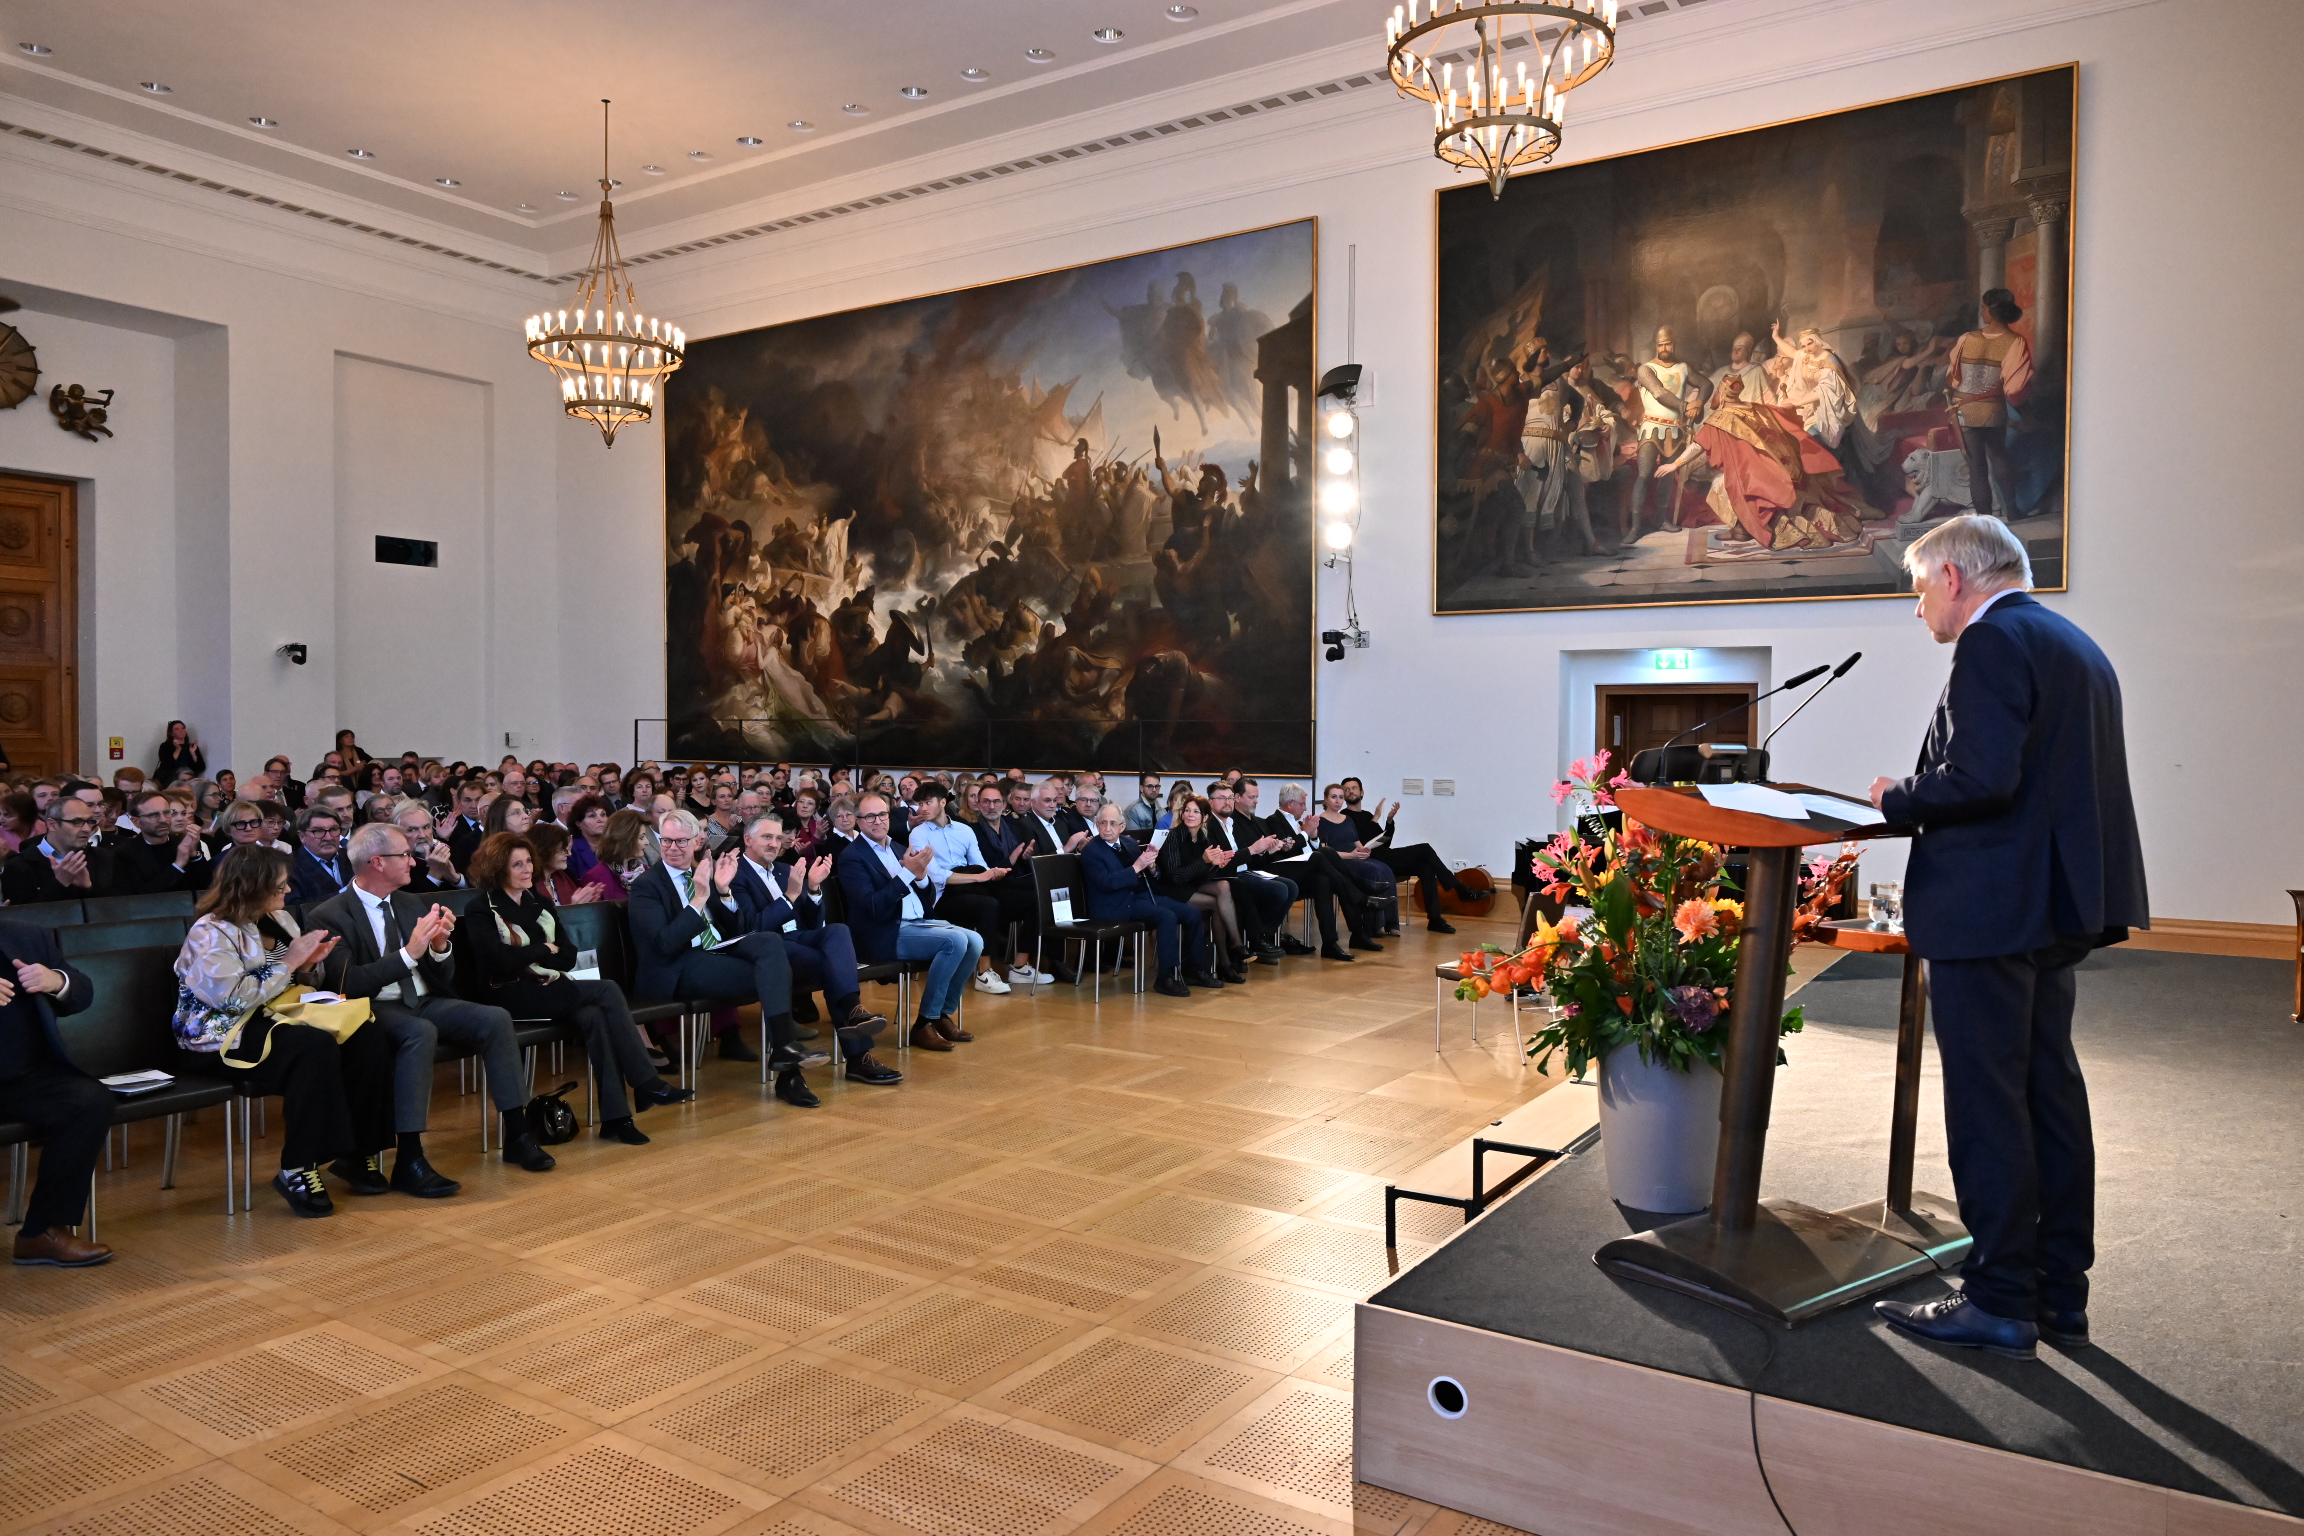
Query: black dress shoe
x,y
791,1056
1957,1321
866,1069
1292,945
414,1176
525,1150
1232,976
1441,925
733,1048
2065,1330
1336,952
1171,985
305,1194
1361,941
624,1131
793,1089
804,1010
1269,955
649,1095
362,1175
1203,978
1067,976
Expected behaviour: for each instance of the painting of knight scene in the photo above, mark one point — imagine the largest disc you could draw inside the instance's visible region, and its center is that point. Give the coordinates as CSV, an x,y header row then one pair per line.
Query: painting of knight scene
x,y
1061,520
1758,366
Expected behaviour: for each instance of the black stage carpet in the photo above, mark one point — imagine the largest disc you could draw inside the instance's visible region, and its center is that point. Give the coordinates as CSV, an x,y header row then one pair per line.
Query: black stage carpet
x,y
2196,1381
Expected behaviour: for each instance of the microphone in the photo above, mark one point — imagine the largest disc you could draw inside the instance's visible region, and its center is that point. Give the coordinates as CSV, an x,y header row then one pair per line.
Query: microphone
x,y
1838,673
1649,767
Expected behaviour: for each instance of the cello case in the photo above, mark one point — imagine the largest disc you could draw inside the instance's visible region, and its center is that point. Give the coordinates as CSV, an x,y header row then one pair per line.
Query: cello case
x,y
1480,903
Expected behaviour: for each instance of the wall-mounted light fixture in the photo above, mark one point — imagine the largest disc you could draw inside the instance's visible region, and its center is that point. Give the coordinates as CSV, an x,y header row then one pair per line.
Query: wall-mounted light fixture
x,y
1342,390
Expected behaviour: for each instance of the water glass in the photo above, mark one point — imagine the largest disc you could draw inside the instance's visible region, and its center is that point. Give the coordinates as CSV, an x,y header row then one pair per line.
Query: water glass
x,y
1888,907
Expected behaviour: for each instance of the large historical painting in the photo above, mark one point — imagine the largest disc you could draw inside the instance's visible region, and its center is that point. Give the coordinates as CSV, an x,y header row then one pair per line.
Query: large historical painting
x,y
1758,366
1059,521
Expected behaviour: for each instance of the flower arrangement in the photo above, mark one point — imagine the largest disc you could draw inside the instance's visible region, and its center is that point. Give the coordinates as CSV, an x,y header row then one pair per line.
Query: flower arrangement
x,y
1654,961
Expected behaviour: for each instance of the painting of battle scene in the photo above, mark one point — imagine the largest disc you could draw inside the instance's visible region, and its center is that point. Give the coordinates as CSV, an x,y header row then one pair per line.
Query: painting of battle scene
x,y
1758,366
1059,521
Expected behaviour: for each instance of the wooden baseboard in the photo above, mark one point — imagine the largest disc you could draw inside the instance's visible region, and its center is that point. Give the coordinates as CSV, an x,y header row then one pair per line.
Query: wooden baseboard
x,y
2200,936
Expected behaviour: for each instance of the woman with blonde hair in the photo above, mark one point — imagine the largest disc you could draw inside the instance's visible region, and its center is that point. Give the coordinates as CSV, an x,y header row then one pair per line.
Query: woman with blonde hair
x,y
243,952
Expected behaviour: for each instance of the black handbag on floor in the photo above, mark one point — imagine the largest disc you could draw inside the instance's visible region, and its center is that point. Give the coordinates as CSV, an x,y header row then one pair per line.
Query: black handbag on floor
x,y
550,1120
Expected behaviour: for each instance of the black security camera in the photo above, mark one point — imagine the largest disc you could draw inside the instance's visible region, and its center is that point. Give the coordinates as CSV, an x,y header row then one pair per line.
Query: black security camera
x,y
295,652
1334,640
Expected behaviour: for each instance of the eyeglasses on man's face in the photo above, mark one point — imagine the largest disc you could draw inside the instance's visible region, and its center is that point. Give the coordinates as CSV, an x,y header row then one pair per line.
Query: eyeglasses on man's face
x,y
871,815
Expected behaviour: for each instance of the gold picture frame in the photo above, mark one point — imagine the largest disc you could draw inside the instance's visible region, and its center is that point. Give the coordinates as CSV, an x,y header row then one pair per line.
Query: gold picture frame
x,y
1713,238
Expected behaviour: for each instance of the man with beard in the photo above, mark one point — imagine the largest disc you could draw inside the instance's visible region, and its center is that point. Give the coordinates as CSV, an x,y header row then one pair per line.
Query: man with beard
x,y
1663,385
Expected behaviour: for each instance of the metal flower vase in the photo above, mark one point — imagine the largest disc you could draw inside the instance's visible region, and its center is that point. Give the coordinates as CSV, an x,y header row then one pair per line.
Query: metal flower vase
x,y
1659,1132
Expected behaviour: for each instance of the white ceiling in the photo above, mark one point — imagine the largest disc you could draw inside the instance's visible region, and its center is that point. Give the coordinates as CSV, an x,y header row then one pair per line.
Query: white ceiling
x,y
503,95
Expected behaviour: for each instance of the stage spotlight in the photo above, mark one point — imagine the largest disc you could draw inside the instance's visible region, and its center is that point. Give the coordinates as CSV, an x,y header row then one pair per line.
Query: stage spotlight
x,y
1338,535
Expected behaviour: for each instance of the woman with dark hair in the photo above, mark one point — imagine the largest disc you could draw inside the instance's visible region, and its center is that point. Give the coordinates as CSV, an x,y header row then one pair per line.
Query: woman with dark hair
x,y
810,830
1191,868
522,959
348,750
552,865
1333,828
242,953
695,797
180,757
508,813
19,817
587,824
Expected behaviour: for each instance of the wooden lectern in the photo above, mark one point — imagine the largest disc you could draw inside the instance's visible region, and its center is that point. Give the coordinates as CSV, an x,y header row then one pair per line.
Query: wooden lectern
x,y
1779,1260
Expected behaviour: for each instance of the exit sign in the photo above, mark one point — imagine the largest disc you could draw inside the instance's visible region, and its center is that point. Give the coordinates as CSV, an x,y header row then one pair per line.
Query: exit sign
x,y
1672,661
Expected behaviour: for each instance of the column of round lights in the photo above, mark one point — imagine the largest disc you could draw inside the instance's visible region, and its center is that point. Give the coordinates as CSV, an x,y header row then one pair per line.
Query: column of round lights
x,y
1339,476
607,356
1489,119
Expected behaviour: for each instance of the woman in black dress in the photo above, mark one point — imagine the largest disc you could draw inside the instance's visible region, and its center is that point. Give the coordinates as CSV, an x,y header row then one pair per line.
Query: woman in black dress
x,y
523,960
1191,868
180,757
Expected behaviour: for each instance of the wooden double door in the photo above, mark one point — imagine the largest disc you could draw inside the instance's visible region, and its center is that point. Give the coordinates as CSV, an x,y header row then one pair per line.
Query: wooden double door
x,y
39,631
1636,716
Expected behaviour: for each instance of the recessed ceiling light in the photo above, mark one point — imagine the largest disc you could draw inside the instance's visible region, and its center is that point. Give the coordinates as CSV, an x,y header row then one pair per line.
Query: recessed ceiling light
x,y
447,181
155,87
1182,12
855,108
361,154
1039,56
36,49
801,125
978,76
527,207
567,197
265,122
1107,34
749,142
651,170
699,155
913,92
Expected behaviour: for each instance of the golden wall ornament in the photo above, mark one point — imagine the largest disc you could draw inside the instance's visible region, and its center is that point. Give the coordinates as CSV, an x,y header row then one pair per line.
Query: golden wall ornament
x,y
79,412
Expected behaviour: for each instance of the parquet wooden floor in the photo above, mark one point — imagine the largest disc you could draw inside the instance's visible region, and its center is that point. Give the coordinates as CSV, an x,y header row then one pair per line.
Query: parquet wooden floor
x,y
1093,1272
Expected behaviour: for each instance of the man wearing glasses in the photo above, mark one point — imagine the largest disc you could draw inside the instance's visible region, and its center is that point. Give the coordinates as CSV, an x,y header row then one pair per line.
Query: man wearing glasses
x,y
683,923
888,901
158,858
321,869
64,865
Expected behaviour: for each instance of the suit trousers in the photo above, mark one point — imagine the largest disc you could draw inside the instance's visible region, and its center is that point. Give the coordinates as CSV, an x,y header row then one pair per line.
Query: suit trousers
x,y
71,1111
336,1100
756,968
2016,1122
824,960
1178,927
418,1027
1329,880
1419,863
603,1019
1263,905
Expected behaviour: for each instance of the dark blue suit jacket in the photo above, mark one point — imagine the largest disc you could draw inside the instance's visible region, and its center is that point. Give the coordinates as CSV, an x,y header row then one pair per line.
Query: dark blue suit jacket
x,y
2025,832
875,900
663,930
312,881
1116,892
35,944
760,904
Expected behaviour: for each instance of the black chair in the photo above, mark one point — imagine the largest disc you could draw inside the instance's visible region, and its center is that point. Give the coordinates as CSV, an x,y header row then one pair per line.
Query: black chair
x,y
46,914
139,933
123,909
458,900
1053,872
530,1034
126,1028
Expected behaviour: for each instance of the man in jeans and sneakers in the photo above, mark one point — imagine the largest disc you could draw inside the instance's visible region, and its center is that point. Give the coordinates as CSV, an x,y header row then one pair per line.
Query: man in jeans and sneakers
x,y
888,901
974,891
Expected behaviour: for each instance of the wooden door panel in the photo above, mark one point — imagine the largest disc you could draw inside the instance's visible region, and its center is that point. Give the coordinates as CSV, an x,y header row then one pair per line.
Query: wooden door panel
x,y
1635,717
39,640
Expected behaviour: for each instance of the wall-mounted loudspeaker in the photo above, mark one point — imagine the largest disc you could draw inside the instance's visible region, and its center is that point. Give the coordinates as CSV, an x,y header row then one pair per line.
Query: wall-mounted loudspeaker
x,y
1446,1395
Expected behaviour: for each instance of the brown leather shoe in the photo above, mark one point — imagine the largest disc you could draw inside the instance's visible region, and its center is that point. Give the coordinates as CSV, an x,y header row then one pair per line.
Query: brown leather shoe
x,y
58,1247
950,1029
927,1037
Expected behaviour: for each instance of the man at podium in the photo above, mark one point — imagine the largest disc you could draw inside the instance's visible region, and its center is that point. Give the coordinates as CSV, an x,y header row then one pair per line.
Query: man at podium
x,y
2024,858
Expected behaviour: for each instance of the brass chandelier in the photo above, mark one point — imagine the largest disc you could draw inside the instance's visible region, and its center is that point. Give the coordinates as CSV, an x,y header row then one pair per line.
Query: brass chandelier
x,y
1489,118
607,355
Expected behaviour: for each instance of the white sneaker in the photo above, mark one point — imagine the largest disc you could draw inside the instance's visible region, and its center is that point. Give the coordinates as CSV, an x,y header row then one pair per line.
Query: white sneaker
x,y
989,981
1026,976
